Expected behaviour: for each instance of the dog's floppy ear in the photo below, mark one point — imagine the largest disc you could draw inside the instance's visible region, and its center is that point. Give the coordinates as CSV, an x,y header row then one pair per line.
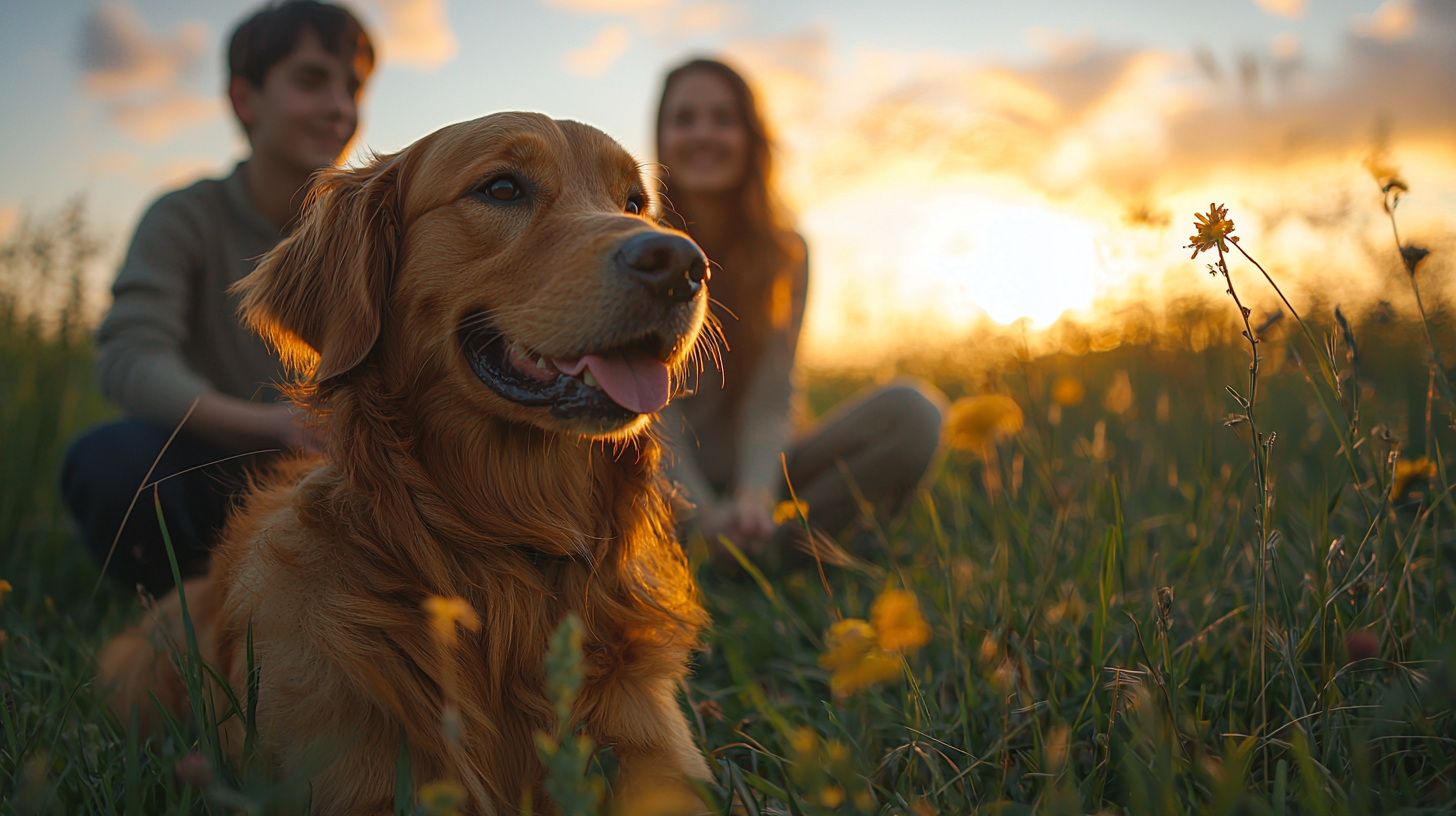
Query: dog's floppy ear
x,y
318,296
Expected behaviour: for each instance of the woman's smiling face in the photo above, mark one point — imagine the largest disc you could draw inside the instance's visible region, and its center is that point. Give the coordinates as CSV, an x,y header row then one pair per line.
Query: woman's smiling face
x,y
704,138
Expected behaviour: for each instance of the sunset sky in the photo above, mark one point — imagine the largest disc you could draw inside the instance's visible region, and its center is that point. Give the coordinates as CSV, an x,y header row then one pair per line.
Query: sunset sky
x,y
950,161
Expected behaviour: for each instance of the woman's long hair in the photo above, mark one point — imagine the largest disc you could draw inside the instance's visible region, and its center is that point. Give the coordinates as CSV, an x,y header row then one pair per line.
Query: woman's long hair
x,y
755,256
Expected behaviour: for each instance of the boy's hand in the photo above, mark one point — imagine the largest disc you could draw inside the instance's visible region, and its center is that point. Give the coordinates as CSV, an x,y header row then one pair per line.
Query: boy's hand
x,y
291,431
242,425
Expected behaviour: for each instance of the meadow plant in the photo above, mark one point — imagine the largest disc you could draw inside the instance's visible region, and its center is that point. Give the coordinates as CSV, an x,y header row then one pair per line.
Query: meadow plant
x,y
1099,604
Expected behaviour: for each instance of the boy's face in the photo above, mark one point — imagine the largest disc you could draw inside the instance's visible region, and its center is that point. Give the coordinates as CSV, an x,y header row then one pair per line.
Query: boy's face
x,y
307,109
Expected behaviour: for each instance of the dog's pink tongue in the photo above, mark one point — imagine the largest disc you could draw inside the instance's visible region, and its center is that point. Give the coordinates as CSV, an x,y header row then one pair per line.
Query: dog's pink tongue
x,y
638,383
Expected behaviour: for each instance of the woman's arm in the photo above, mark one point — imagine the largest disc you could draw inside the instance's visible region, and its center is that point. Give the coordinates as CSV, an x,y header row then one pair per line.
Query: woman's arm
x,y
764,421
682,463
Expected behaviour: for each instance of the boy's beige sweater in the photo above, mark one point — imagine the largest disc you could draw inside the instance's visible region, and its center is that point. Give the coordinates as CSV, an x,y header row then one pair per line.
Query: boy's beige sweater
x,y
173,330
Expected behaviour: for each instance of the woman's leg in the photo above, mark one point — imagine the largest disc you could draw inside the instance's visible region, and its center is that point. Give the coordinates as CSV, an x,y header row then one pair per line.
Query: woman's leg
x,y
102,471
884,440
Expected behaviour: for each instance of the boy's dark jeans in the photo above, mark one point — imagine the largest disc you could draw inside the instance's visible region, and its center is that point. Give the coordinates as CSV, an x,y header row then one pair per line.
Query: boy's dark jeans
x,y
103,469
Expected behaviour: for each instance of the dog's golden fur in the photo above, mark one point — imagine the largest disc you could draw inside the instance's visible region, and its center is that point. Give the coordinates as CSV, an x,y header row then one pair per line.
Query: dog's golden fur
x,y
433,484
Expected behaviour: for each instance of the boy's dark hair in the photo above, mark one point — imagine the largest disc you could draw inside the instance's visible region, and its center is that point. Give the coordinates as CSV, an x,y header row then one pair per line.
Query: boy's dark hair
x,y
268,37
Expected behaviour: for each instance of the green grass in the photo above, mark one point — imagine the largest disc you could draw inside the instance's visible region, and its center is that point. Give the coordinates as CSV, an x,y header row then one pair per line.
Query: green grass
x,y
1033,596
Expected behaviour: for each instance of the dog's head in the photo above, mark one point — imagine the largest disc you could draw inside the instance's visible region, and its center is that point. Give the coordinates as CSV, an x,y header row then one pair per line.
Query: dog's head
x,y
516,255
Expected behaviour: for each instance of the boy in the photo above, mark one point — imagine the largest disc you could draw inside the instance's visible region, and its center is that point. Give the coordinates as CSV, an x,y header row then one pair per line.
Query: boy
x,y
173,337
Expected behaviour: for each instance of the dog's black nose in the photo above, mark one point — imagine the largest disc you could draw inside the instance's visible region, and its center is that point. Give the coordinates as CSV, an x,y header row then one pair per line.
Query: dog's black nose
x,y
670,265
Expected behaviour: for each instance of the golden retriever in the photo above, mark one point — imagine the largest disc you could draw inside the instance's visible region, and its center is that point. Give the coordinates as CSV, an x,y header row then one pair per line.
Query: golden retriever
x,y
486,322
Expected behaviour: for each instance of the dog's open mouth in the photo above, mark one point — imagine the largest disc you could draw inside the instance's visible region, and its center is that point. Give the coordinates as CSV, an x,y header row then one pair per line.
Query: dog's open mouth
x,y
615,383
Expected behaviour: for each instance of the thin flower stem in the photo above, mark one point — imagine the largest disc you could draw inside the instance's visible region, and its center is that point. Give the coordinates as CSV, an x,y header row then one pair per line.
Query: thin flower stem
x,y
1261,463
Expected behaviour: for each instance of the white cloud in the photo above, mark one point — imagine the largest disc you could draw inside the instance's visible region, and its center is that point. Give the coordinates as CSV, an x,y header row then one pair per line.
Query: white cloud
x,y
595,59
155,120
140,75
416,33
1391,22
701,18
616,7
119,55
1284,8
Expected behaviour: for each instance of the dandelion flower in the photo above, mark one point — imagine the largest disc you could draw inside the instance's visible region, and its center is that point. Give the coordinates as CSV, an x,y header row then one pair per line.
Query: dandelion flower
x,y
788,510
1068,391
446,612
974,422
5,587
1407,472
898,624
1214,229
832,797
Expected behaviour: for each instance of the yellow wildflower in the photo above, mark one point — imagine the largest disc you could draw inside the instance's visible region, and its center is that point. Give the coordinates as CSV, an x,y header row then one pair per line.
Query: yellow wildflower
x,y
4,588
974,422
1214,228
787,510
804,740
838,751
446,612
1068,391
832,797
846,644
854,658
442,798
896,619
1406,472
875,667
667,801
860,654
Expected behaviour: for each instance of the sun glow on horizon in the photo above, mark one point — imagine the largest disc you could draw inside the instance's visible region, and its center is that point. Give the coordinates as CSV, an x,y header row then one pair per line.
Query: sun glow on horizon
x,y
939,262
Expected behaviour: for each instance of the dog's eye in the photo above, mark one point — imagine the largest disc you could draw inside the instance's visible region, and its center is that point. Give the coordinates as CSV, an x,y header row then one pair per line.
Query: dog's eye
x,y
503,188
635,205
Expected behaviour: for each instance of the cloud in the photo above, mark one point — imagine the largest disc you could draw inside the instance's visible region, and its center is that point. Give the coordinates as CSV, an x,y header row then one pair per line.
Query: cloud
x,y
1284,8
416,33
156,119
181,172
140,76
119,55
113,163
612,7
595,59
1391,22
701,18
1089,119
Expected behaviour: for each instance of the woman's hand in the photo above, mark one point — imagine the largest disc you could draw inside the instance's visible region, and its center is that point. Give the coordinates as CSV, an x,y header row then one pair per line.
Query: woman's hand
x,y
746,519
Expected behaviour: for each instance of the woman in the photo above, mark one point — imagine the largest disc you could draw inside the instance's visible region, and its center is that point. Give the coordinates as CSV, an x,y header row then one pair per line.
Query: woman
x,y
728,437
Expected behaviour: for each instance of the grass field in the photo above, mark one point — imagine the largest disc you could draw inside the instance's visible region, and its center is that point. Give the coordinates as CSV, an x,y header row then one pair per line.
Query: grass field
x,y
1109,626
